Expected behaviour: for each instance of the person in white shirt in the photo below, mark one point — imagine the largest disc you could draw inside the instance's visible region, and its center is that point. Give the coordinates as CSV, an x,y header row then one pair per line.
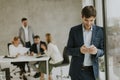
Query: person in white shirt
x,y
55,55
15,50
26,35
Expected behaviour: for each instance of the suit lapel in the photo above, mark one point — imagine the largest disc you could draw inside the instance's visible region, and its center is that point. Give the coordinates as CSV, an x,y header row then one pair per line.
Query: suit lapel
x,y
81,40
81,34
93,34
94,31
29,33
23,34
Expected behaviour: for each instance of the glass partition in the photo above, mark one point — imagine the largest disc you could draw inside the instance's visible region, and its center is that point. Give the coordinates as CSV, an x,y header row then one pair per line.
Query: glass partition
x,y
112,19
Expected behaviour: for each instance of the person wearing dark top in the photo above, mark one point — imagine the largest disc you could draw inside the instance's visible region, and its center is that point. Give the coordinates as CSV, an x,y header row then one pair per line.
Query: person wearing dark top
x,y
85,45
36,50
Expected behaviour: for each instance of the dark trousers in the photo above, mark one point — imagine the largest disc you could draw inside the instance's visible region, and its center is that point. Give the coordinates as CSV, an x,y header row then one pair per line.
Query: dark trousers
x,y
21,65
84,74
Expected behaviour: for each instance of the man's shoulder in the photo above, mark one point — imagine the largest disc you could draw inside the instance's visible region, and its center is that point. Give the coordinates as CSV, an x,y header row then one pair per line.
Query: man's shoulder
x,y
99,28
33,44
76,27
29,26
20,27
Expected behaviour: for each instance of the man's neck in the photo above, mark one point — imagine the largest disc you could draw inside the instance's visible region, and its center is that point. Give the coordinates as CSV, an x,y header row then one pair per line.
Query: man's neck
x,y
87,28
37,43
25,26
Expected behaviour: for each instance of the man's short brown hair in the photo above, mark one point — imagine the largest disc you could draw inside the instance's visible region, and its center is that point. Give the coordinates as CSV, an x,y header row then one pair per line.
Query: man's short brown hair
x,y
36,37
23,19
88,11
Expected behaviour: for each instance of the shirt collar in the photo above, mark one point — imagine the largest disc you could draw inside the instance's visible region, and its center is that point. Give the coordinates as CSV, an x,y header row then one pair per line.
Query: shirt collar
x,y
84,28
25,27
38,44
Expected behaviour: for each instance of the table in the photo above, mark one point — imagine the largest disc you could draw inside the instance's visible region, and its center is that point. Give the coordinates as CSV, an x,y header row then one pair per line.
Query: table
x,y
27,59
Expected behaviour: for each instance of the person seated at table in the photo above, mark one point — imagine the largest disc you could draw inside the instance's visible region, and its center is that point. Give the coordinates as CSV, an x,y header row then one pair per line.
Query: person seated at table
x,y
16,49
55,57
36,50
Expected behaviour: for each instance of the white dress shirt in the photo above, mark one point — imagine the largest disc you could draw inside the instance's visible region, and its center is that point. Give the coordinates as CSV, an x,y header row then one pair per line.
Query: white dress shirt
x,y
87,34
13,50
38,48
54,54
26,34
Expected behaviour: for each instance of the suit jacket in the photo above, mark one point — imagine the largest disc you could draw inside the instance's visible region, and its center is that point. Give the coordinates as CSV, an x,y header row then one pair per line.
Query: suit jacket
x,y
34,48
22,35
75,41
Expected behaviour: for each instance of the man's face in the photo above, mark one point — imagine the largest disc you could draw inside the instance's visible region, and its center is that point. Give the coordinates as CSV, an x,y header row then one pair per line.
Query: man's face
x,y
88,22
36,40
25,23
17,42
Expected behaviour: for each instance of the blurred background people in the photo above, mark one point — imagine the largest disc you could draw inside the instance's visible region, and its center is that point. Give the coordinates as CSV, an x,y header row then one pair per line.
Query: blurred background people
x,y
55,56
16,49
26,35
85,45
36,50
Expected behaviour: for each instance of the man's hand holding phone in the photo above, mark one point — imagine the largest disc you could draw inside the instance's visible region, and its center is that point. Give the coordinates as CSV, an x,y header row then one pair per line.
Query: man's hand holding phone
x,y
84,49
88,50
93,50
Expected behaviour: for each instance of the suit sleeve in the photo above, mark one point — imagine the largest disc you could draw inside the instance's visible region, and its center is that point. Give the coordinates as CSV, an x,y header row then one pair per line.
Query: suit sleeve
x,y
32,48
100,51
32,32
20,36
71,48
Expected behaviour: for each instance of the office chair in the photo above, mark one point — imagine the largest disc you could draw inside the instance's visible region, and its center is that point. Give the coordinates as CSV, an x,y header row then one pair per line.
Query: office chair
x,y
65,62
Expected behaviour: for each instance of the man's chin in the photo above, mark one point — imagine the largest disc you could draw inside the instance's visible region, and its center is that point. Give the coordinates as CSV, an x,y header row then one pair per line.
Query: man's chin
x,y
88,27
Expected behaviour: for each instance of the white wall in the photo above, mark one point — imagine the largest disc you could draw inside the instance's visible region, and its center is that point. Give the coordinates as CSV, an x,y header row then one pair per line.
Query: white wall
x,y
54,16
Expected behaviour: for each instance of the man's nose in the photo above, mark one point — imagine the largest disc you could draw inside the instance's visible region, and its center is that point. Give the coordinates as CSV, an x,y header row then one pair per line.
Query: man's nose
x,y
89,23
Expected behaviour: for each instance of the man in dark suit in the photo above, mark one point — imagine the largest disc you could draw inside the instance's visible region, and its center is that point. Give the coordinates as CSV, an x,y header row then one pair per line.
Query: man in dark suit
x,y
36,49
85,45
